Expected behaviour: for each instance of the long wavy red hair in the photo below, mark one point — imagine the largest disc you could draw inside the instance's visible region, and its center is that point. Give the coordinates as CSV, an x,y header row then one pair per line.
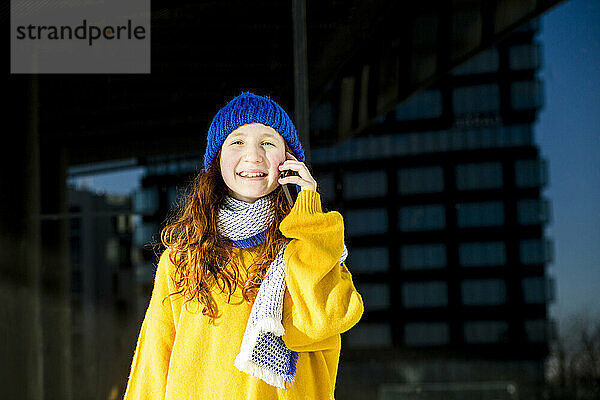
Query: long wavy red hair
x,y
204,259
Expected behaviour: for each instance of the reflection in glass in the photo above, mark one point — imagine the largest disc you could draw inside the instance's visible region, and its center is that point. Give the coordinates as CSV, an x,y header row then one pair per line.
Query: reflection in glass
x,y
422,217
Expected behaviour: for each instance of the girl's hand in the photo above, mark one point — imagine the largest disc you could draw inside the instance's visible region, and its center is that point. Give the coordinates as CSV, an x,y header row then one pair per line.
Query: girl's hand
x,y
304,178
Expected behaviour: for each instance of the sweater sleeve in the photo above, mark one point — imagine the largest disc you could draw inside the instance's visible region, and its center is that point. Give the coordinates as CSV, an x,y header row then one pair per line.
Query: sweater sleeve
x,y
148,376
320,300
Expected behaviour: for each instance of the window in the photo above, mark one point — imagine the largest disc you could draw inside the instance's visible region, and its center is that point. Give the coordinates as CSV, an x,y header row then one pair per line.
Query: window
x,y
425,294
535,290
321,116
537,330
482,214
481,254
145,233
525,56
376,296
366,221
477,332
112,251
517,135
368,259
369,335
479,176
535,251
476,99
421,105
423,256
420,180
526,95
172,196
146,200
359,185
326,186
483,292
533,211
426,333
422,218
485,61
531,173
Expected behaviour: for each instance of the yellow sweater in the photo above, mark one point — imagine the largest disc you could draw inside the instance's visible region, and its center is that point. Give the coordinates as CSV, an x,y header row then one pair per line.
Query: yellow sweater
x,y
179,355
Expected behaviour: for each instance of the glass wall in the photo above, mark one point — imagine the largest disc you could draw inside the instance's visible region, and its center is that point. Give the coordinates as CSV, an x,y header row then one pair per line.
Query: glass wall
x,y
480,214
366,221
425,294
483,292
482,254
426,333
422,218
360,185
479,176
423,256
421,180
368,259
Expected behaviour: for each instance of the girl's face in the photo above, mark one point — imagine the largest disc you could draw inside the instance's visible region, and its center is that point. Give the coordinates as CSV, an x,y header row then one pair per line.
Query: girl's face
x,y
252,148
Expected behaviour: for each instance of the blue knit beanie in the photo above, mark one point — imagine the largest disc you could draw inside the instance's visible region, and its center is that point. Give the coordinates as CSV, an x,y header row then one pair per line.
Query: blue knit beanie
x,y
245,109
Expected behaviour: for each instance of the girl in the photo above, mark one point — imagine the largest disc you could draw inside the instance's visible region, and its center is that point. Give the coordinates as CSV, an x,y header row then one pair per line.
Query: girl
x,y
251,294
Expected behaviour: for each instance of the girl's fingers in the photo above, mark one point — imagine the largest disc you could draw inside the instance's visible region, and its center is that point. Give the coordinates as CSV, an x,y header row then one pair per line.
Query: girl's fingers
x,y
292,179
304,178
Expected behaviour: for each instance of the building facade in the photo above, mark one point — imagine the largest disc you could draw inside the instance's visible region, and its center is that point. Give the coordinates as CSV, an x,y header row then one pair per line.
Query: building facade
x,y
444,214
102,288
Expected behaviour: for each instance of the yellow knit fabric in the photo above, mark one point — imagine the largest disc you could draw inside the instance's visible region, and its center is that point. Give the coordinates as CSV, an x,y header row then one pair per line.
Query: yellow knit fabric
x,y
179,355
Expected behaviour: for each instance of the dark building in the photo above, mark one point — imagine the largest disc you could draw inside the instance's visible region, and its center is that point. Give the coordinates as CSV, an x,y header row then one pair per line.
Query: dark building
x,y
444,215
102,287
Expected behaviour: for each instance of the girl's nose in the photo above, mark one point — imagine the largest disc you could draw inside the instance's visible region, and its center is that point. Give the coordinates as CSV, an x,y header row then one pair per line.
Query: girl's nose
x,y
253,154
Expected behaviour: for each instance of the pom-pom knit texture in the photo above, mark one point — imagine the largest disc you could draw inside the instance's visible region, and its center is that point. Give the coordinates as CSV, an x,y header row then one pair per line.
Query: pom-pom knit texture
x,y
245,109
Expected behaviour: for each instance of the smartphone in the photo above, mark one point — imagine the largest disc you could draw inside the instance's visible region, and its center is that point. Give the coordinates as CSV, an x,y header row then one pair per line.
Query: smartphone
x,y
290,189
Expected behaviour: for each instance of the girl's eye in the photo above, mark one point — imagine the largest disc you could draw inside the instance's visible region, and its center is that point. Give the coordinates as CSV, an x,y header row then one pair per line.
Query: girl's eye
x,y
269,143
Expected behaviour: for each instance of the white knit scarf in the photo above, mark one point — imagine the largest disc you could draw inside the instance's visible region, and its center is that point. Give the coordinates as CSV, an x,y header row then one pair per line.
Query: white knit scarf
x,y
263,352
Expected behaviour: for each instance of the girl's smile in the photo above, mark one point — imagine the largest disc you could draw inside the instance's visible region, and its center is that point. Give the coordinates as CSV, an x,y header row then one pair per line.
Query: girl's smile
x,y
250,159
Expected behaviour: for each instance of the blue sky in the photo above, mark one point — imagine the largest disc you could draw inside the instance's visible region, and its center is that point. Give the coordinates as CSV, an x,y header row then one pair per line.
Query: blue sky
x,y
568,133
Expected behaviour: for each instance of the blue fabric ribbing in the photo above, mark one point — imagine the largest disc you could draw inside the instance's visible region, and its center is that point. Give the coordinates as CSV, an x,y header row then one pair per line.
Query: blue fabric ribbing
x,y
245,109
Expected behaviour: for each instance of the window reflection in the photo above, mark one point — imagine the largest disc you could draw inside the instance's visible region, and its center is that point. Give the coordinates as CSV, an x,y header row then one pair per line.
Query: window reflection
x,y
486,175
535,251
422,217
426,333
376,296
486,331
476,99
423,256
358,185
480,254
420,180
483,292
531,173
489,213
425,294
368,259
366,222
421,105
369,335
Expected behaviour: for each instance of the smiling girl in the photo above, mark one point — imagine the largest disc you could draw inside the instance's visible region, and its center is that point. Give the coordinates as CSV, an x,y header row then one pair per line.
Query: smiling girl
x,y
251,294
